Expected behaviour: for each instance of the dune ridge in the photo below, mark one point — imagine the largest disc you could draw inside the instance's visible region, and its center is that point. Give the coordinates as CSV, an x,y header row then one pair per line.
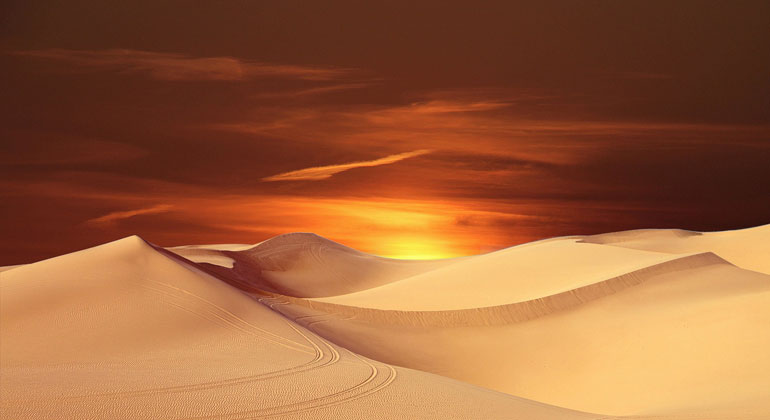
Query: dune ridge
x,y
746,248
682,342
509,313
304,265
128,330
709,310
515,274
641,324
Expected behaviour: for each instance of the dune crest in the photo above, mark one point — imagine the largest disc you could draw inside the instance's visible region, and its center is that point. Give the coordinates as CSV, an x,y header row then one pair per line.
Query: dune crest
x,y
746,248
305,265
508,313
126,330
517,274
657,324
552,289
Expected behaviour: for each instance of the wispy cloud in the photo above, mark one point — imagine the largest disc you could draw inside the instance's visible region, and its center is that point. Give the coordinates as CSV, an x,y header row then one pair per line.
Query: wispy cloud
x,y
181,67
323,172
119,215
445,106
501,125
321,90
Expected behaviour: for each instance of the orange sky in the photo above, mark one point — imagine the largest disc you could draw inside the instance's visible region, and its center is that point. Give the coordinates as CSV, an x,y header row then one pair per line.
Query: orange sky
x,y
408,130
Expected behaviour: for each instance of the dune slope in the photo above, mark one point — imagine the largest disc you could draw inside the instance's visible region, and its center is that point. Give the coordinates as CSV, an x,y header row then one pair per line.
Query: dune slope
x,y
512,275
594,327
642,324
125,331
680,341
746,248
303,265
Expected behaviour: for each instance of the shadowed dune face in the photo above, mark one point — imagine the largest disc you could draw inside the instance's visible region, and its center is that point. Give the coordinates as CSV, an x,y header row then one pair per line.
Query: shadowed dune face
x,y
647,324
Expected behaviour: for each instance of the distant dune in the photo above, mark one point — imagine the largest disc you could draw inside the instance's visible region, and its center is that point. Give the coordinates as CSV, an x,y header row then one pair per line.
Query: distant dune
x,y
303,265
663,324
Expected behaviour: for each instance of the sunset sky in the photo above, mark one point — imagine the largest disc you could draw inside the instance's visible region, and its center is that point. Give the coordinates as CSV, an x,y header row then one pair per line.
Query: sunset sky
x,y
411,129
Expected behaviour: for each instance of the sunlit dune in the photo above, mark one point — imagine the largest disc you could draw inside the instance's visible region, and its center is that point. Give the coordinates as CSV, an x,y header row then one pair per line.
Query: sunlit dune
x,y
124,330
648,324
303,265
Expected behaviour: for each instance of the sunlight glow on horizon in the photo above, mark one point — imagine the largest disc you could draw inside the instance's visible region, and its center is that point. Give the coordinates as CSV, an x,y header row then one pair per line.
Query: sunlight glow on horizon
x,y
402,229
422,247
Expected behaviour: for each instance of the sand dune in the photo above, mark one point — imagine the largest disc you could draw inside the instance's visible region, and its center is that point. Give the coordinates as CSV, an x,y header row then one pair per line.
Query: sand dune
x,y
640,324
507,313
677,339
602,306
304,265
124,331
512,275
746,248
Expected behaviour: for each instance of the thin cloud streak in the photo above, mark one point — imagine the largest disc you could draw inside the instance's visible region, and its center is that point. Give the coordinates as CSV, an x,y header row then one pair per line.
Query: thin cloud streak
x,y
324,172
322,90
119,215
495,125
181,67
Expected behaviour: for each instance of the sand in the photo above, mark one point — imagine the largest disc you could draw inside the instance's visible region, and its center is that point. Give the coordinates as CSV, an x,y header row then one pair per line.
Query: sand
x,y
304,265
639,324
512,275
125,331
746,248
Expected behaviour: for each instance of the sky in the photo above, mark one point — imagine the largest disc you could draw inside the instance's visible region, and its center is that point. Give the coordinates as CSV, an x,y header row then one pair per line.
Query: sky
x,y
410,129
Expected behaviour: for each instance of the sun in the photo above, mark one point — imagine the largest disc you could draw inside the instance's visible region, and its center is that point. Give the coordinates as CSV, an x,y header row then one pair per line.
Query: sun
x,y
416,248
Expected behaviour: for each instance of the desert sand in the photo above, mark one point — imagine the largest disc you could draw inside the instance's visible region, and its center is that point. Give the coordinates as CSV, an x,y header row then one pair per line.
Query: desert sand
x,y
663,324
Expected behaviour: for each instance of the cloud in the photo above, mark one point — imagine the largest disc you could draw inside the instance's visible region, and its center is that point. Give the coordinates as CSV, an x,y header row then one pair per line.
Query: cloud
x,y
119,215
322,90
181,67
445,107
500,125
323,172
